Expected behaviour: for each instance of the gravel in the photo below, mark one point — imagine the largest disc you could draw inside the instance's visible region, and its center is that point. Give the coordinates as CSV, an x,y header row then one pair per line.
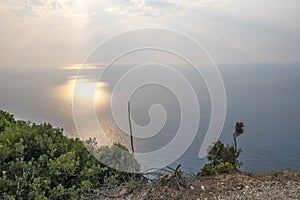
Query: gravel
x,y
280,185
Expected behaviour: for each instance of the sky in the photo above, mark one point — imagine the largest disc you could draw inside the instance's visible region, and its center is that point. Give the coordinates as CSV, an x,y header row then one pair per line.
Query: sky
x,y
62,32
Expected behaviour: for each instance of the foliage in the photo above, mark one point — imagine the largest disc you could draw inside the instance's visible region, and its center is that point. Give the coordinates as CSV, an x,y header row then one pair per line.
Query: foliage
x,y
118,157
39,162
6,120
223,159
220,168
239,129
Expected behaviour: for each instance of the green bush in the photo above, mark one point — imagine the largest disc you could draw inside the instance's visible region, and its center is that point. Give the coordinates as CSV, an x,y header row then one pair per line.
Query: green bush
x,y
39,162
221,168
118,157
223,159
6,120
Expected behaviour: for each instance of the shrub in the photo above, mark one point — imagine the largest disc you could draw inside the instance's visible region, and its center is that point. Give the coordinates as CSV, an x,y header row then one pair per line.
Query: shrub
x,y
223,159
39,162
221,168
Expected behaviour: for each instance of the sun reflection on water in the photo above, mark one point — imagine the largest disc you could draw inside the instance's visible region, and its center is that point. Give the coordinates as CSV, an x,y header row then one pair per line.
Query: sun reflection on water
x,y
84,91
89,93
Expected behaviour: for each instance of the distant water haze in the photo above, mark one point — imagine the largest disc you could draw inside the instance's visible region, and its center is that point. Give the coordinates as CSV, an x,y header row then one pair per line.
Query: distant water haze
x,y
265,97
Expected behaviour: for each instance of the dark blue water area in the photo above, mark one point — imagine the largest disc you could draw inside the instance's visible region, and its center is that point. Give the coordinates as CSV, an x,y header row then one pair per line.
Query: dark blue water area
x,y
265,97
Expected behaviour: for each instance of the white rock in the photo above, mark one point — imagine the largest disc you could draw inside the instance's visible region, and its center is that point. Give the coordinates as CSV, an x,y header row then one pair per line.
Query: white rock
x,y
202,187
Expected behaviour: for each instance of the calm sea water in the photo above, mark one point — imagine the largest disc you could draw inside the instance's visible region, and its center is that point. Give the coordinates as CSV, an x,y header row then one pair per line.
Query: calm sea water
x,y
265,97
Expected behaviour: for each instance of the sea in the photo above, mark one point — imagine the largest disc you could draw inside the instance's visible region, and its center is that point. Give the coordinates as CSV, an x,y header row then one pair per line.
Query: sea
x,y
266,97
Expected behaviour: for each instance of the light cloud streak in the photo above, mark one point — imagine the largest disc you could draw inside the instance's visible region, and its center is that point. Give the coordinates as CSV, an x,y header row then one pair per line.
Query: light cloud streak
x,y
158,8
233,31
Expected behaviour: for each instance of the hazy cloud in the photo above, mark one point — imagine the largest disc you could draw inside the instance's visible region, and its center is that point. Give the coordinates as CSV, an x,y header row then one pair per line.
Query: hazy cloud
x,y
156,8
64,31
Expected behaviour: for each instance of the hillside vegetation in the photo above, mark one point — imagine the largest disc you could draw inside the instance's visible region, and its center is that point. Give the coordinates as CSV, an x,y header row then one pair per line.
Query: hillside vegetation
x,y
39,162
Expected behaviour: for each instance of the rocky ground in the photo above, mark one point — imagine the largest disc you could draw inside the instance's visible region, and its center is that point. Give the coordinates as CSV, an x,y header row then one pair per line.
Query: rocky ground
x,y
280,185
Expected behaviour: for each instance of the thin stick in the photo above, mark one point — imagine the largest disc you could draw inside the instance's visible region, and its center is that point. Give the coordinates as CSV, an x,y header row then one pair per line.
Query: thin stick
x,y
130,127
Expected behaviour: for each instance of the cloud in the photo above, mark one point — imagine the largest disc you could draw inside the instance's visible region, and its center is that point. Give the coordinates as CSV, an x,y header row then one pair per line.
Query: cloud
x,y
45,9
157,8
134,8
41,31
63,31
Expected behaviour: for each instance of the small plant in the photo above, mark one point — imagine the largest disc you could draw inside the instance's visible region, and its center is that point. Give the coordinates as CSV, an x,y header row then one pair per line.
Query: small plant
x,y
224,159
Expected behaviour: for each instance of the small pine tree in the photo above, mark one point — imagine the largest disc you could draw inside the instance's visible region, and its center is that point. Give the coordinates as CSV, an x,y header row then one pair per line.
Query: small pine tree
x,y
224,159
239,129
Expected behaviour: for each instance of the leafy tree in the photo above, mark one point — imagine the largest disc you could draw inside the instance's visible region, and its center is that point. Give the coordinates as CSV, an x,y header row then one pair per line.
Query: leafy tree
x,y
223,159
239,129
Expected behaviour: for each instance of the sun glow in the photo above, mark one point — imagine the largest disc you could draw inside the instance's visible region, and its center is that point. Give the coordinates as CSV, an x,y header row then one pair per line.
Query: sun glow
x,y
87,91
80,66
